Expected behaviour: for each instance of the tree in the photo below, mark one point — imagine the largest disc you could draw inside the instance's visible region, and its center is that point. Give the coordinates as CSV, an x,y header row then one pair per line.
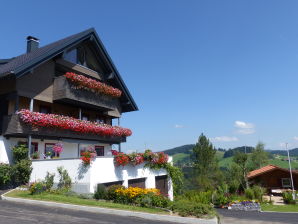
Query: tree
x,y
241,169
206,171
259,156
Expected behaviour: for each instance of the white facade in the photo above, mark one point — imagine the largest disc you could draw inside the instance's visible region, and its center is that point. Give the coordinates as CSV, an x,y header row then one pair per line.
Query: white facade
x,y
84,178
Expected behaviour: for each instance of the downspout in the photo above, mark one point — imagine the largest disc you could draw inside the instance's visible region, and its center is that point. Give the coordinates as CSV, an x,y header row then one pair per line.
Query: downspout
x,y
29,136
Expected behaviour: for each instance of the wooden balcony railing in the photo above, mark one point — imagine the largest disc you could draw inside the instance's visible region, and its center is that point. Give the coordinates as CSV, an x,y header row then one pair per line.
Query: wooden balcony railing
x,y
14,127
64,92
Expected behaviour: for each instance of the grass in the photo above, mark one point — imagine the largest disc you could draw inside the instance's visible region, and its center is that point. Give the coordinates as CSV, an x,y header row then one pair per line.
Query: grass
x,y
45,196
279,208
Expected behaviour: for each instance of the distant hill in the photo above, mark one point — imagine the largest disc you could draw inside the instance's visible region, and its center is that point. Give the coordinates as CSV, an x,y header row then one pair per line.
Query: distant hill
x,y
181,149
231,152
293,152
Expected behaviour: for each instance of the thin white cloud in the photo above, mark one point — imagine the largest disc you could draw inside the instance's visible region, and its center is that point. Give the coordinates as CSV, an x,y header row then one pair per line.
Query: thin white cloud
x,y
283,145
178,126
224,139
244,127
295,138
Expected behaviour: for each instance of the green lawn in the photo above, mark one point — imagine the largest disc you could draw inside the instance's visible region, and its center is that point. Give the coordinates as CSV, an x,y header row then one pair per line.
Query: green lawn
x,y
79,201
279,208
179,156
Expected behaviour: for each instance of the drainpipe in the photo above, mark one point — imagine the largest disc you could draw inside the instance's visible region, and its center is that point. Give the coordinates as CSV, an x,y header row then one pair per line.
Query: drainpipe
x,y
80,117
29,136
119,146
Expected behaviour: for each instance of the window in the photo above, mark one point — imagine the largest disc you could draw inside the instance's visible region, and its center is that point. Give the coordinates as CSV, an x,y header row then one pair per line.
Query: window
x,y
45,109
76,56
100,119
286,182
49,148
85,117
71,56
100,150
140,182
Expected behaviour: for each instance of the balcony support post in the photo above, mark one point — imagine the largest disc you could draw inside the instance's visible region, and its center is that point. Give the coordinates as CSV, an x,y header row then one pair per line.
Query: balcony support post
x,y
119,146
16,106
29,136
80,113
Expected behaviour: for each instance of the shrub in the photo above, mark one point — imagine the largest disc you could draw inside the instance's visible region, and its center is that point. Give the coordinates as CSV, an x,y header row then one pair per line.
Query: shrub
x,y
20,152
5,174
86,196
288,198
65,180
152,200
101,192
258,192
188,208
21,172
111,194
49,181
37,188
219,199
198,196
249,193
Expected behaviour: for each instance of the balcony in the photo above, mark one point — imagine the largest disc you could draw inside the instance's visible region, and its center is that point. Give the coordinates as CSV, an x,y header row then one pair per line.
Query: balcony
x,y
64,92
14,127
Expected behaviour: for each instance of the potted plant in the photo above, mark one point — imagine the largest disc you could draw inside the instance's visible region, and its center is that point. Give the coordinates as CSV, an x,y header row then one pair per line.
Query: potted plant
x,y
35,155
48,154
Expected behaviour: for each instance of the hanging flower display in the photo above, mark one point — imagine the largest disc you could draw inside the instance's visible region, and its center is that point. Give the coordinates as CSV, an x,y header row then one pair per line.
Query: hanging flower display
x,y
69,123
154,158
82,82
87,155
58,148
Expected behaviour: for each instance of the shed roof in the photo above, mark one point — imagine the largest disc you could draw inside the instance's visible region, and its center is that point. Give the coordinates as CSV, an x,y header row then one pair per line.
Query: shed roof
x,y
266,169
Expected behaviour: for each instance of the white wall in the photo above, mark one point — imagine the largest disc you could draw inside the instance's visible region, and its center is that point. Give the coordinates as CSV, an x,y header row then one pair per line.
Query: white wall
x,y
6,146
102,170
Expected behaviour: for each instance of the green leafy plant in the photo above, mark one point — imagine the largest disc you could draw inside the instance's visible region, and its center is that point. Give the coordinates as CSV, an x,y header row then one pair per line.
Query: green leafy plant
x,y
49,181
188,208
20,152
258,192
288,197
35,155
249,193
65,180
101,192
5,174
21,172
37,188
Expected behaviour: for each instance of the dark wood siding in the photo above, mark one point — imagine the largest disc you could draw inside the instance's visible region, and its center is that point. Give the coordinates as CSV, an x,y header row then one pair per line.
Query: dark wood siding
x,y
13,127
161,183
140,182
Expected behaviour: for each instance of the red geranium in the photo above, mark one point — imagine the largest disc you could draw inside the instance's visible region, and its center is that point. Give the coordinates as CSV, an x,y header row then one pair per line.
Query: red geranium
x,y
82,82
69,123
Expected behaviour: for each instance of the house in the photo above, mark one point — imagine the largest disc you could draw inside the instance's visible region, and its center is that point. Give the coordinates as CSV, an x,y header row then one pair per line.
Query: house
x,y
69,93
273,178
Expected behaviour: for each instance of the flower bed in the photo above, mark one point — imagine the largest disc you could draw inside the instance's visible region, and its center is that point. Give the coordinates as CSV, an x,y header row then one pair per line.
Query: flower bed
x,y
245,205
82,82
154,158
68,123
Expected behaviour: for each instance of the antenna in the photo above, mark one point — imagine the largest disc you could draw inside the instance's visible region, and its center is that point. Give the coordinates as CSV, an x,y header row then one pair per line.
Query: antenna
x,y
292,183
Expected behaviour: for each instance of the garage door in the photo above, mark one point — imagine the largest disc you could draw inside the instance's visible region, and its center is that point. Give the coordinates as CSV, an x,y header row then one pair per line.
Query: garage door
x,y
140,182
161,183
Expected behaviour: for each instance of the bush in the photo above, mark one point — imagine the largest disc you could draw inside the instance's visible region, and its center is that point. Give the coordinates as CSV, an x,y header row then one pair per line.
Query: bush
x,y
111,192
85,196
198,196
21,172
65,180
258,192
249,193
20,152
101,192
188,208
49,181
219,199
37,188
5,174
288,198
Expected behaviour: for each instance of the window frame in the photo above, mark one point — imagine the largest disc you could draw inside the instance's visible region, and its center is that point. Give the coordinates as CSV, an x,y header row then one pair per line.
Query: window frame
x,y
54,154
101,147
284,185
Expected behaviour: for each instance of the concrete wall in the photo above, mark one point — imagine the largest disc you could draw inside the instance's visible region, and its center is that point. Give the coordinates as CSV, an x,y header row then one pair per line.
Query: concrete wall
x,y
6,149
102,170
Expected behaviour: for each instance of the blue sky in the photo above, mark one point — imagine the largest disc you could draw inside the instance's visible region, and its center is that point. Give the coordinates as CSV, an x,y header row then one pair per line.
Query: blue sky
x,y
224,68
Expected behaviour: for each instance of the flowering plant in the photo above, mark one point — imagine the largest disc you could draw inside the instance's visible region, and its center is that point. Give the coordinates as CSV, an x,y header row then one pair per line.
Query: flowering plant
x,y
87,155
69,123
153,158
58,148
121,159
133,192
82,82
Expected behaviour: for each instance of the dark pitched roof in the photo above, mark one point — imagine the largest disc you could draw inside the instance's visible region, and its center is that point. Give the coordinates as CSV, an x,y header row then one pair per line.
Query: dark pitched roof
x,y
22,64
